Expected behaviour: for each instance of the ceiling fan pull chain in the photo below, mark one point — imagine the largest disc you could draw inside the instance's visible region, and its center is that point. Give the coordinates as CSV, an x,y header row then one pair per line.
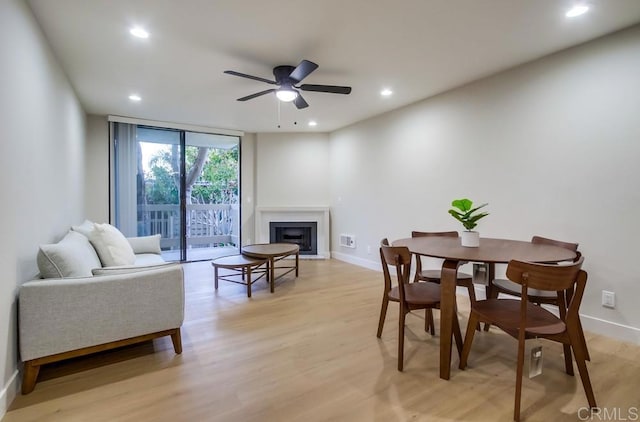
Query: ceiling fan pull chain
x,y
278,114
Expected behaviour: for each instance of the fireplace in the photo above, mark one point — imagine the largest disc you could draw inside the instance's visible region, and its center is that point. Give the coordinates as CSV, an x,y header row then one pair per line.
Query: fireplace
x,y
302,233
264,216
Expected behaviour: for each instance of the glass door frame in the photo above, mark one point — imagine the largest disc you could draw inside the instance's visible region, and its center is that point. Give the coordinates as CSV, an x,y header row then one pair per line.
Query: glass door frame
x,y
182,176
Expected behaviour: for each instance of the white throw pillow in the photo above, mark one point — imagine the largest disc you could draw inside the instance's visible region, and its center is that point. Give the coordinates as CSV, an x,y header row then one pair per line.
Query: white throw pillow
x,y
111,245
73,256
145,244
85,228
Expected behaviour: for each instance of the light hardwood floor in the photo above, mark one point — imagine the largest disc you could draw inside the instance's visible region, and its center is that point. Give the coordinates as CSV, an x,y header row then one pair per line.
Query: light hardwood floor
x,y
309,352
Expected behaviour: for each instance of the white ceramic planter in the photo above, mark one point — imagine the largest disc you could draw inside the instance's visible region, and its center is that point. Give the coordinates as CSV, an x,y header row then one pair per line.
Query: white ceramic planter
x,y
470,239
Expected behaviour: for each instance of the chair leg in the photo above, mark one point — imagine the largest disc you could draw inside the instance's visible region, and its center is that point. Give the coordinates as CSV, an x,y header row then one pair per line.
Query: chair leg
x,y
579,352
457,335
519,371
491,292
568,361
468,339
383,314
584,342
401,340
472,298
429,324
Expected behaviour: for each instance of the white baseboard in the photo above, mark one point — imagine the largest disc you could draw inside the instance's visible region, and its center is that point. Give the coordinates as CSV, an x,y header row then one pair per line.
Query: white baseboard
x,y
361,262
611,329
8,393
596,325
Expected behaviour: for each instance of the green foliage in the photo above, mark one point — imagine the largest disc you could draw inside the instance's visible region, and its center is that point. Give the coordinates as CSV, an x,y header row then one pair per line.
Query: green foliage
x,y
162,184
217,184
465,213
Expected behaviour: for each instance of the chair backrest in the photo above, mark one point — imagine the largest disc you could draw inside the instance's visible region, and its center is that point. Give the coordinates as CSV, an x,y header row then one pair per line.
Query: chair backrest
x,y
548,277
567,245
440,234
563,279
398,257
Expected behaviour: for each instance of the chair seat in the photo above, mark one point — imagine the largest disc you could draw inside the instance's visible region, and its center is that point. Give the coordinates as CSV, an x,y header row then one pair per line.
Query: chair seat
x,y
418,293
509,287
507,311
436,275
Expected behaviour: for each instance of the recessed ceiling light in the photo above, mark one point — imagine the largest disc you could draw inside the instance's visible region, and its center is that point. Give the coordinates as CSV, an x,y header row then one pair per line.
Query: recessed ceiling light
x,y
139,32
313,123
386,92
134,97
577,10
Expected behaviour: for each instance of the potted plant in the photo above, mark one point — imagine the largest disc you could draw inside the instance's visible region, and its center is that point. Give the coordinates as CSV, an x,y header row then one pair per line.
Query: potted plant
x,y
468,216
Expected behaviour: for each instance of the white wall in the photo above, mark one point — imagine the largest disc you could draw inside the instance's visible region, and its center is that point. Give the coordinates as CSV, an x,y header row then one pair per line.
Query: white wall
x,y
42,167
292,169
553,146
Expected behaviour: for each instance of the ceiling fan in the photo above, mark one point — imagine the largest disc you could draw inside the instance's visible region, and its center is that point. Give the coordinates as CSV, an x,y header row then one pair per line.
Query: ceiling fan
x,y
287,78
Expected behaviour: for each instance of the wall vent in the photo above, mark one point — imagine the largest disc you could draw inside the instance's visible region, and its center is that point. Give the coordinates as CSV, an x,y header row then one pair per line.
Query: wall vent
x,y
347,240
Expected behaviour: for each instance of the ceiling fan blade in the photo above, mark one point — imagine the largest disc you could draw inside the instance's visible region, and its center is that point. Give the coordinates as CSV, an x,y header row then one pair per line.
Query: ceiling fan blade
x,y
300,102
326,88
257,94
244,75
303,70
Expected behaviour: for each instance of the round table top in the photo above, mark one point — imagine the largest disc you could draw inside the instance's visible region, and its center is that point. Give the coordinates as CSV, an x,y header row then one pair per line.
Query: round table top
x,y
490,250
270,250
233,261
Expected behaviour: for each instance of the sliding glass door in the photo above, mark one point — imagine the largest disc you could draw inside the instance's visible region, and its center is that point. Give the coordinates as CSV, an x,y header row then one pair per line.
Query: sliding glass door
x,y
181,185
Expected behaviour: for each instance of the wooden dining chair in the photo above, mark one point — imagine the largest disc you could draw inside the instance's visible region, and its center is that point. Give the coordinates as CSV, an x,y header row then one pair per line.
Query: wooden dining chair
x,y
410,296
497,286
523,319
429,321
434,275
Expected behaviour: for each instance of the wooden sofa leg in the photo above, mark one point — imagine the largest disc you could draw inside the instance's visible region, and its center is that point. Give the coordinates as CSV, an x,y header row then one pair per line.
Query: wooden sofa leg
x,y
177,341
29,377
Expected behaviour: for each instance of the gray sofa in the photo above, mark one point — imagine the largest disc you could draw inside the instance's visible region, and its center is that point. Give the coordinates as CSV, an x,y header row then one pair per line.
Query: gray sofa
x,y
83,310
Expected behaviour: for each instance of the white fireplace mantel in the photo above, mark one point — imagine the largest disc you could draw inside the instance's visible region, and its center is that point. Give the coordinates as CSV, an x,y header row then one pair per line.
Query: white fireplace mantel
x,y
320,215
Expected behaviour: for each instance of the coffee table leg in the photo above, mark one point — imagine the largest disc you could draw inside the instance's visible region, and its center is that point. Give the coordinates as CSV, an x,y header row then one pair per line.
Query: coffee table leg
x,y
215,276
447,313
248,280
273,273
297,262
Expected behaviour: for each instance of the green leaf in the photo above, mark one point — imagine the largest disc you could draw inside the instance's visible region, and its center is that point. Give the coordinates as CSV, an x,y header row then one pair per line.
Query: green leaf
x,y
462,204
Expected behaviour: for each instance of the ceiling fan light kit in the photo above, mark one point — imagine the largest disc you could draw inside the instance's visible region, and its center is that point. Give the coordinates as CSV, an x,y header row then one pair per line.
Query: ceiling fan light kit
x,y
286,79
286,94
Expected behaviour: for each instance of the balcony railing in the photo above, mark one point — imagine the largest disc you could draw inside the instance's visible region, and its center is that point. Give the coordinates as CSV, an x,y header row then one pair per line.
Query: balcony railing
x,y
208,225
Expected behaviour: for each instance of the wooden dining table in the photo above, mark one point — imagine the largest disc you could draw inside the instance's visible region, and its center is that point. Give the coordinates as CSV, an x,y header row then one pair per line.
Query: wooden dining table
x,y
490,251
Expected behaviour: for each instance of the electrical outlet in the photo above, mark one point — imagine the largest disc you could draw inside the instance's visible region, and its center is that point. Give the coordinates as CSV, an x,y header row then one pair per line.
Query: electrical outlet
x,y
608,299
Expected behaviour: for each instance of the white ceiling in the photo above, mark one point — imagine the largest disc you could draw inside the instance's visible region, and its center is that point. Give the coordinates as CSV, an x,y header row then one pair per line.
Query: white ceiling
x,y
418,48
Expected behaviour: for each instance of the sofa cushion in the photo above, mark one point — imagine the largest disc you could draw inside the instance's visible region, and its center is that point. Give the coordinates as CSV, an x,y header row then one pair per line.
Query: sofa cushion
x,y
128,269
145,244
111,245
73,256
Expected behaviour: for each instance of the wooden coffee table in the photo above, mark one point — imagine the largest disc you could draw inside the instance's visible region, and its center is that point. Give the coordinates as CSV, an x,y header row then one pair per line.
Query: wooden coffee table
x,y
238,265
274,253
